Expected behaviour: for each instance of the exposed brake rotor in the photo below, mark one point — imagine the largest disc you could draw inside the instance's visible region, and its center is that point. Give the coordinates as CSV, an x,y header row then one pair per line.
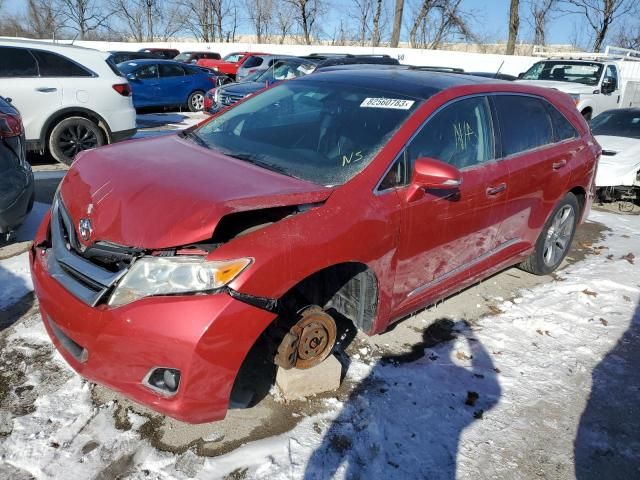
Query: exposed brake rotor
x,y
309,341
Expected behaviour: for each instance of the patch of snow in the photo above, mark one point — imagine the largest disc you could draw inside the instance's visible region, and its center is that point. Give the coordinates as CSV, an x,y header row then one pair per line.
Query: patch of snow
x,y
15,279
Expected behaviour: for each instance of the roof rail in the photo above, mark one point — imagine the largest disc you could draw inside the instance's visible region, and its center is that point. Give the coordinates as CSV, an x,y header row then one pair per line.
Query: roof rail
x,y
431,68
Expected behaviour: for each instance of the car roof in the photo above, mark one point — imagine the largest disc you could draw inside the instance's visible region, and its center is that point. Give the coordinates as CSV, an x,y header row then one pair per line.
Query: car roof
x,y
6,41
416,83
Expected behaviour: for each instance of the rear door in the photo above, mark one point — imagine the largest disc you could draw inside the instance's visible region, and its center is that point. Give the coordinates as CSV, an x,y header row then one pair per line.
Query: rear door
x,y
446,233
174,85
33,96
538,165
146,86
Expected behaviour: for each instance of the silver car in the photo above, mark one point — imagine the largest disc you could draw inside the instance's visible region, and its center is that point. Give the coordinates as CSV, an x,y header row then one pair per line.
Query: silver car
x,y
258,63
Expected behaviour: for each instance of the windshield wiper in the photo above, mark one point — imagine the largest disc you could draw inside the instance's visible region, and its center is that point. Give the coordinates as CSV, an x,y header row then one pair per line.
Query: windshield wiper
x,y
247,157
195,137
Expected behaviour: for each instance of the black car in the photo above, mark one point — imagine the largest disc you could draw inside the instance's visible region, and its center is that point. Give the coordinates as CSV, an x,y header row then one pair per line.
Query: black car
x,y
193,57
166,53
16,177
120,56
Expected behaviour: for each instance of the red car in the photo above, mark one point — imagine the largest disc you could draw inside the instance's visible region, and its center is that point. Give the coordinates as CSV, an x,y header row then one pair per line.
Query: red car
x,y
354,195
230,63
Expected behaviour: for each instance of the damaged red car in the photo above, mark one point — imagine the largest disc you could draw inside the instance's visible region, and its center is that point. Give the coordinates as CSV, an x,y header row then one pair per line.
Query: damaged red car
x,y
356,196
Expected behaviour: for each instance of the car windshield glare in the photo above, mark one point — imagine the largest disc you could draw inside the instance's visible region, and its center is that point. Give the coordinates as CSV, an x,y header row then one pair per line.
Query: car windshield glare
x,y
320,132
182,57
617,124
565,71
286,71
233,57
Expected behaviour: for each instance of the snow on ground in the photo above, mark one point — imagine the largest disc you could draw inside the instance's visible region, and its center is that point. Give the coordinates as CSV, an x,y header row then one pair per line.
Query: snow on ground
x,y
15,279
507,396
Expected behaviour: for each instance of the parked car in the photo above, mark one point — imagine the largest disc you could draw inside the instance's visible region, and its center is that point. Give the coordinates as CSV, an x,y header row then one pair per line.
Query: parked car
x,y
70,98
117,57
363,195
166,53
286,69
230,63
596,84
193,57
258,63
618,132
166,83
16,177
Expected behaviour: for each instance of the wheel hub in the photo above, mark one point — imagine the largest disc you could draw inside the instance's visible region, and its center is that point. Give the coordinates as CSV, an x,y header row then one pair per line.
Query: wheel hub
x,y
309,341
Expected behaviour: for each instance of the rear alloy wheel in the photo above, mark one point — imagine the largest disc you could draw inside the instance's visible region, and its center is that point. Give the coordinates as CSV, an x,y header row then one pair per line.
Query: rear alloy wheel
x,y
196,101
555,240
309,341
73,135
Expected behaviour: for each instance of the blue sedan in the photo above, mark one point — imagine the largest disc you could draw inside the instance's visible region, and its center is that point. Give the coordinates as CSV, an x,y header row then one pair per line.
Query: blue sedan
x,y
165,83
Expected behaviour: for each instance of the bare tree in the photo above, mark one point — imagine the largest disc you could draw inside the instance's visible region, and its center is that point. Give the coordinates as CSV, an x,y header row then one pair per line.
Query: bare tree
x,y
148,20
397,23
425,9
514,25
41,20
82,16
628,36
201,18
260,13
363,10
600,14
375,34
437,20
306,13
540,11
284,22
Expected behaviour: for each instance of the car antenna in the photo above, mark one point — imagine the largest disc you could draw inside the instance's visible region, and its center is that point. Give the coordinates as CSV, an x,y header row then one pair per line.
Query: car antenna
x,y
499,68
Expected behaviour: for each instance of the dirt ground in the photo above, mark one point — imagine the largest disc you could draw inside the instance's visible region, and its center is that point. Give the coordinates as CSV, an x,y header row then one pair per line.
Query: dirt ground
x,y
272,416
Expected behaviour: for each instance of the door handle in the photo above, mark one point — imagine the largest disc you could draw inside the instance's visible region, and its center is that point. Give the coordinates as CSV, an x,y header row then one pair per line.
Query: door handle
x,y
497,189
559,165
46,89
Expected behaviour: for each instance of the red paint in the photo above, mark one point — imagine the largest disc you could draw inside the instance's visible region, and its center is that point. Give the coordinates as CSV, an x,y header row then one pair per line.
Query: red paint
x,y
168,192
228,68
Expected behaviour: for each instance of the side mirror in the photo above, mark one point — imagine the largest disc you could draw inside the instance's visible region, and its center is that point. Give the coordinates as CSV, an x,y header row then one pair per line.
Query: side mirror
x,y
521,74
432,174
608,85
9,100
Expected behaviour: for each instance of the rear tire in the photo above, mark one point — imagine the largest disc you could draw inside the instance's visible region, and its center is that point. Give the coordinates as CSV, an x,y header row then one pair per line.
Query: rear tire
x,y
555,239
73,135
196,101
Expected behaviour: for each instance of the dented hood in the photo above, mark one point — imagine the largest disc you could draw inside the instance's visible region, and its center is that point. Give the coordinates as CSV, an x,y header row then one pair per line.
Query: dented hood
x,y
166,192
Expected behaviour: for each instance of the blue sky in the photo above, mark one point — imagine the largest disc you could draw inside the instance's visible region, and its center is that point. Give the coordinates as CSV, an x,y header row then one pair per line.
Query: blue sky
x,y
489,19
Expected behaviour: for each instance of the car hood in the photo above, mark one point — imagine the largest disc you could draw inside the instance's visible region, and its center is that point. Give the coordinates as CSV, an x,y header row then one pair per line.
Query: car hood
x,y
568,87
166,192
243,88
619,162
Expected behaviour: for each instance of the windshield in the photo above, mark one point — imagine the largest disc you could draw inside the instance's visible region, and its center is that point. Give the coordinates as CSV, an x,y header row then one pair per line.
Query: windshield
x,y
285,71
617,124
320,132
233,57
182,57
586,73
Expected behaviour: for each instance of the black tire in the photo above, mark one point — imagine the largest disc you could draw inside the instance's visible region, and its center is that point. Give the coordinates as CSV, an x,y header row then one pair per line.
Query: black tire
x,y
587,115
196,101
555,239
73,135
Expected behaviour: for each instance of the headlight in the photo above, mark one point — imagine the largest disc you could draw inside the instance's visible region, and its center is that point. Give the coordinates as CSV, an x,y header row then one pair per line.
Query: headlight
x,y
575,97
150,276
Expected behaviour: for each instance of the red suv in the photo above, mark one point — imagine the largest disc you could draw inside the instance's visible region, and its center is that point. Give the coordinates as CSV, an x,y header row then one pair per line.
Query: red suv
x,y
230,63
357,196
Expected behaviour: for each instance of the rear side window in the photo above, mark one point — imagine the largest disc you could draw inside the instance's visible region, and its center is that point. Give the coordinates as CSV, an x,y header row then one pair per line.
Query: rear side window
x,y
524,123
148,71
252,62
17,62
170,70
562,129
54,65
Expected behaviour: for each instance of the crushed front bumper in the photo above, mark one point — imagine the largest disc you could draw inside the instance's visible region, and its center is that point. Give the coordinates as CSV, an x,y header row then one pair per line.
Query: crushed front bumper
x,y
206,337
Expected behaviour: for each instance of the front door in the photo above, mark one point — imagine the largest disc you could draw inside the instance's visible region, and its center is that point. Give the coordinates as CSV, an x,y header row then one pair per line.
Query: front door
x,y
446,232
174,85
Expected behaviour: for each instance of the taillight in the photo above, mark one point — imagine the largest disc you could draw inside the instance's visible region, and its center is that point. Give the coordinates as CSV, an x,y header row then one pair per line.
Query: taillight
x,y
123,89
10,125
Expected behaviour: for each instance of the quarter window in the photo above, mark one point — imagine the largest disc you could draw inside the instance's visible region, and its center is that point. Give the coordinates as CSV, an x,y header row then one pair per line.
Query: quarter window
x,y
54,65
460,135
562,129
524,123
252,62
17,62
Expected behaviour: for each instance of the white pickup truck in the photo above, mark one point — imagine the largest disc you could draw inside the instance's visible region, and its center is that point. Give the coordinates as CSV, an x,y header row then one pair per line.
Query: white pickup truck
x,y
596,82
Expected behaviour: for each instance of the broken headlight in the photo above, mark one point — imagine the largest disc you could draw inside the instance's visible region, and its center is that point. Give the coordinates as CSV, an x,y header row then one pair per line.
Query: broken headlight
x,y
150,276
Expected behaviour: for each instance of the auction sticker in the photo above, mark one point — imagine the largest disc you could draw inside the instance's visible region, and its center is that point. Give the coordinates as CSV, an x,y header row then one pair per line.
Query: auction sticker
x,y
396,103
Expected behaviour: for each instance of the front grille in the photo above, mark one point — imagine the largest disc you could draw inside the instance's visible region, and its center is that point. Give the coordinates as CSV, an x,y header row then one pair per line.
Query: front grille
x,y
87,280
230,98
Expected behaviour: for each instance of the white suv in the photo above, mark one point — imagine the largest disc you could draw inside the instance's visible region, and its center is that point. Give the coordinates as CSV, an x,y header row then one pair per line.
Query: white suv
x,y
70,98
